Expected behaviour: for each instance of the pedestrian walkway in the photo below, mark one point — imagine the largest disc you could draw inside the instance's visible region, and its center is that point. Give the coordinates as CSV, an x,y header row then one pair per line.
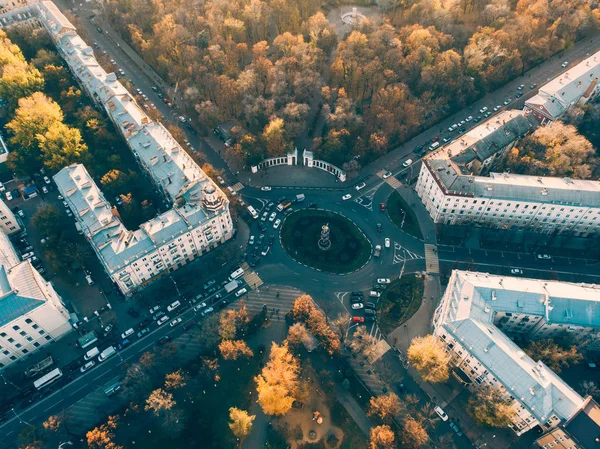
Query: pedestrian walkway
x,y
431,259
366,374
251,277
257,299
393,182
425,222
237,186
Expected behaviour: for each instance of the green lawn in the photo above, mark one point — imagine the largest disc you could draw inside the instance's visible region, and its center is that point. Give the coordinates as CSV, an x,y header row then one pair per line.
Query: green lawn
x,y
301,232
402,215
399,302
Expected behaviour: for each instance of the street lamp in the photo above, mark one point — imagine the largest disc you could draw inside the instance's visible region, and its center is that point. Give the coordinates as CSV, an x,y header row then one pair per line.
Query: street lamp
x,y
22,421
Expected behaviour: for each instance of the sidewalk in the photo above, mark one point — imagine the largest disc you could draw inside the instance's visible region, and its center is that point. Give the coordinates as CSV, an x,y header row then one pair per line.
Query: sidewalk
x,y
425,223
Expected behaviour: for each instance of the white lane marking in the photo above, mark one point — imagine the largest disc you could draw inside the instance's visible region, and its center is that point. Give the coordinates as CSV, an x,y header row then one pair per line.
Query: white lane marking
x,y
54,404
79,389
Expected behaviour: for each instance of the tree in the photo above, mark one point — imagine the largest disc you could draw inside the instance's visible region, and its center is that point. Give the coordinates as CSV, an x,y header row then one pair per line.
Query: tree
x,y
114,180
34,116
234,349
555,357
159,400
274,137
233,323
413,434
362,342
278,382
302,307
175,380
489,408
241,423
385,406
101,437
48,220
305,311
382,437
428,356
61,146
298,334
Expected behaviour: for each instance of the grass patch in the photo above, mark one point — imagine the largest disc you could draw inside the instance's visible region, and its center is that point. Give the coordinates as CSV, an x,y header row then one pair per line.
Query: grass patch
x,y
301,232
403,216
399,302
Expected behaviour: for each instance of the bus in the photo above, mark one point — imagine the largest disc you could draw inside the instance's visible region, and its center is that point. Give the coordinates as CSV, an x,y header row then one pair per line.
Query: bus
x,y
49,378
253,212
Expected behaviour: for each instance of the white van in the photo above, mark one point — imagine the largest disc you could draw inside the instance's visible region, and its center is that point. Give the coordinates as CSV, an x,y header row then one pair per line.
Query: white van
x,y
127,333
91,354
237,274
107,354
434,145
173,306
253,212
241,292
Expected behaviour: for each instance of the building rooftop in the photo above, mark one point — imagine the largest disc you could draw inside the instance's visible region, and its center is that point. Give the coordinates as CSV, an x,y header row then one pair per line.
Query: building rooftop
x,y
20,292
451,167
584,427
55,21
467,313
566,89
8,255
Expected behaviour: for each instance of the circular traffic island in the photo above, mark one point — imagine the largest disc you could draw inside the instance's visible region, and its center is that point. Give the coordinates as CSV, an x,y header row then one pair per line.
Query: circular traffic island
x,y
325,240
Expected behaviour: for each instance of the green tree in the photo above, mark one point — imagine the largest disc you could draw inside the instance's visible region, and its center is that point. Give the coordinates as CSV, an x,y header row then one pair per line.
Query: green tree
x,y
428,356
48,220
490,408
274,137
241,423
34,117
61,146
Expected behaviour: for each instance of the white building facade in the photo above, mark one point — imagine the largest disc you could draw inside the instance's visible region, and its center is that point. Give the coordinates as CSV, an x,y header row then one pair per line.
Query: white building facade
x,y
472,318
453,191
577,85
8,221
200,218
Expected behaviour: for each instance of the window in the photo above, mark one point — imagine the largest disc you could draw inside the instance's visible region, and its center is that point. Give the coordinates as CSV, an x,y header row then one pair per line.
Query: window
x,y
48,337
18,345
25,351
42,332
22,333
16,328
28,320
35,326
36,344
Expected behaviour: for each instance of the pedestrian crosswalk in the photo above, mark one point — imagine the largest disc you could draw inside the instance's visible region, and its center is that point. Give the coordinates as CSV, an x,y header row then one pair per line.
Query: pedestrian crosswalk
x,y
393,182
275,298
237,187
431,259
401,254
252,278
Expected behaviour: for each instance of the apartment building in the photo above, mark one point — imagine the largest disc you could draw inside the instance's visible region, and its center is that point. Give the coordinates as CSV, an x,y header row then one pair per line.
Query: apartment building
x,y
8,222
199,222
582,431
577,85
472,318
200,217
31,312
454,192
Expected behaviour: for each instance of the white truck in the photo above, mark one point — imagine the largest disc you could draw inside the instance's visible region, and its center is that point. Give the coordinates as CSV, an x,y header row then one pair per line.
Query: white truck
x,y
107,354
300,198
231,286
377,251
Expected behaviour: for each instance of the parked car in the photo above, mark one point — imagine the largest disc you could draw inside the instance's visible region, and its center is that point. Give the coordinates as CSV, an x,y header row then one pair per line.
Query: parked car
x,y
370,305
564,64
544,257
357,306
277,223
154,309
143,332
516,271
483,109
346,197
360,186
127,333
251,240
456,429
162,320
358,319
388,243
441,413
383,281
87,366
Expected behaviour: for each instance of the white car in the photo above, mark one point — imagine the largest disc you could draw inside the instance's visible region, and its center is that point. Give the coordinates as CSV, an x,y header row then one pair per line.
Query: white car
x,y
154,309
407,162
89,279
175,322
127,333
360,186
387,243
346,197
251,240
265,188
469,118
357,306
497,108
516,271
139,91
241,292
265,251
47,180
2,188
483,109
162,320
272,217
87,366
264,216
387,174
45,189
277,223
9,196
383,281
21,213
441,413
564,64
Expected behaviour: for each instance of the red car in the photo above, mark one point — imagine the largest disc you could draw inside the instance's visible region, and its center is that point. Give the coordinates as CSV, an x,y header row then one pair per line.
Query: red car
x,y
435,139
358,319
382,207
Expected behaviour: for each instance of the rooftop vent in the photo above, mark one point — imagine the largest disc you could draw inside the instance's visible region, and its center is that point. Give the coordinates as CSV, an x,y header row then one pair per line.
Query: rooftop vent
x,y
494,295
488,187
544,191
